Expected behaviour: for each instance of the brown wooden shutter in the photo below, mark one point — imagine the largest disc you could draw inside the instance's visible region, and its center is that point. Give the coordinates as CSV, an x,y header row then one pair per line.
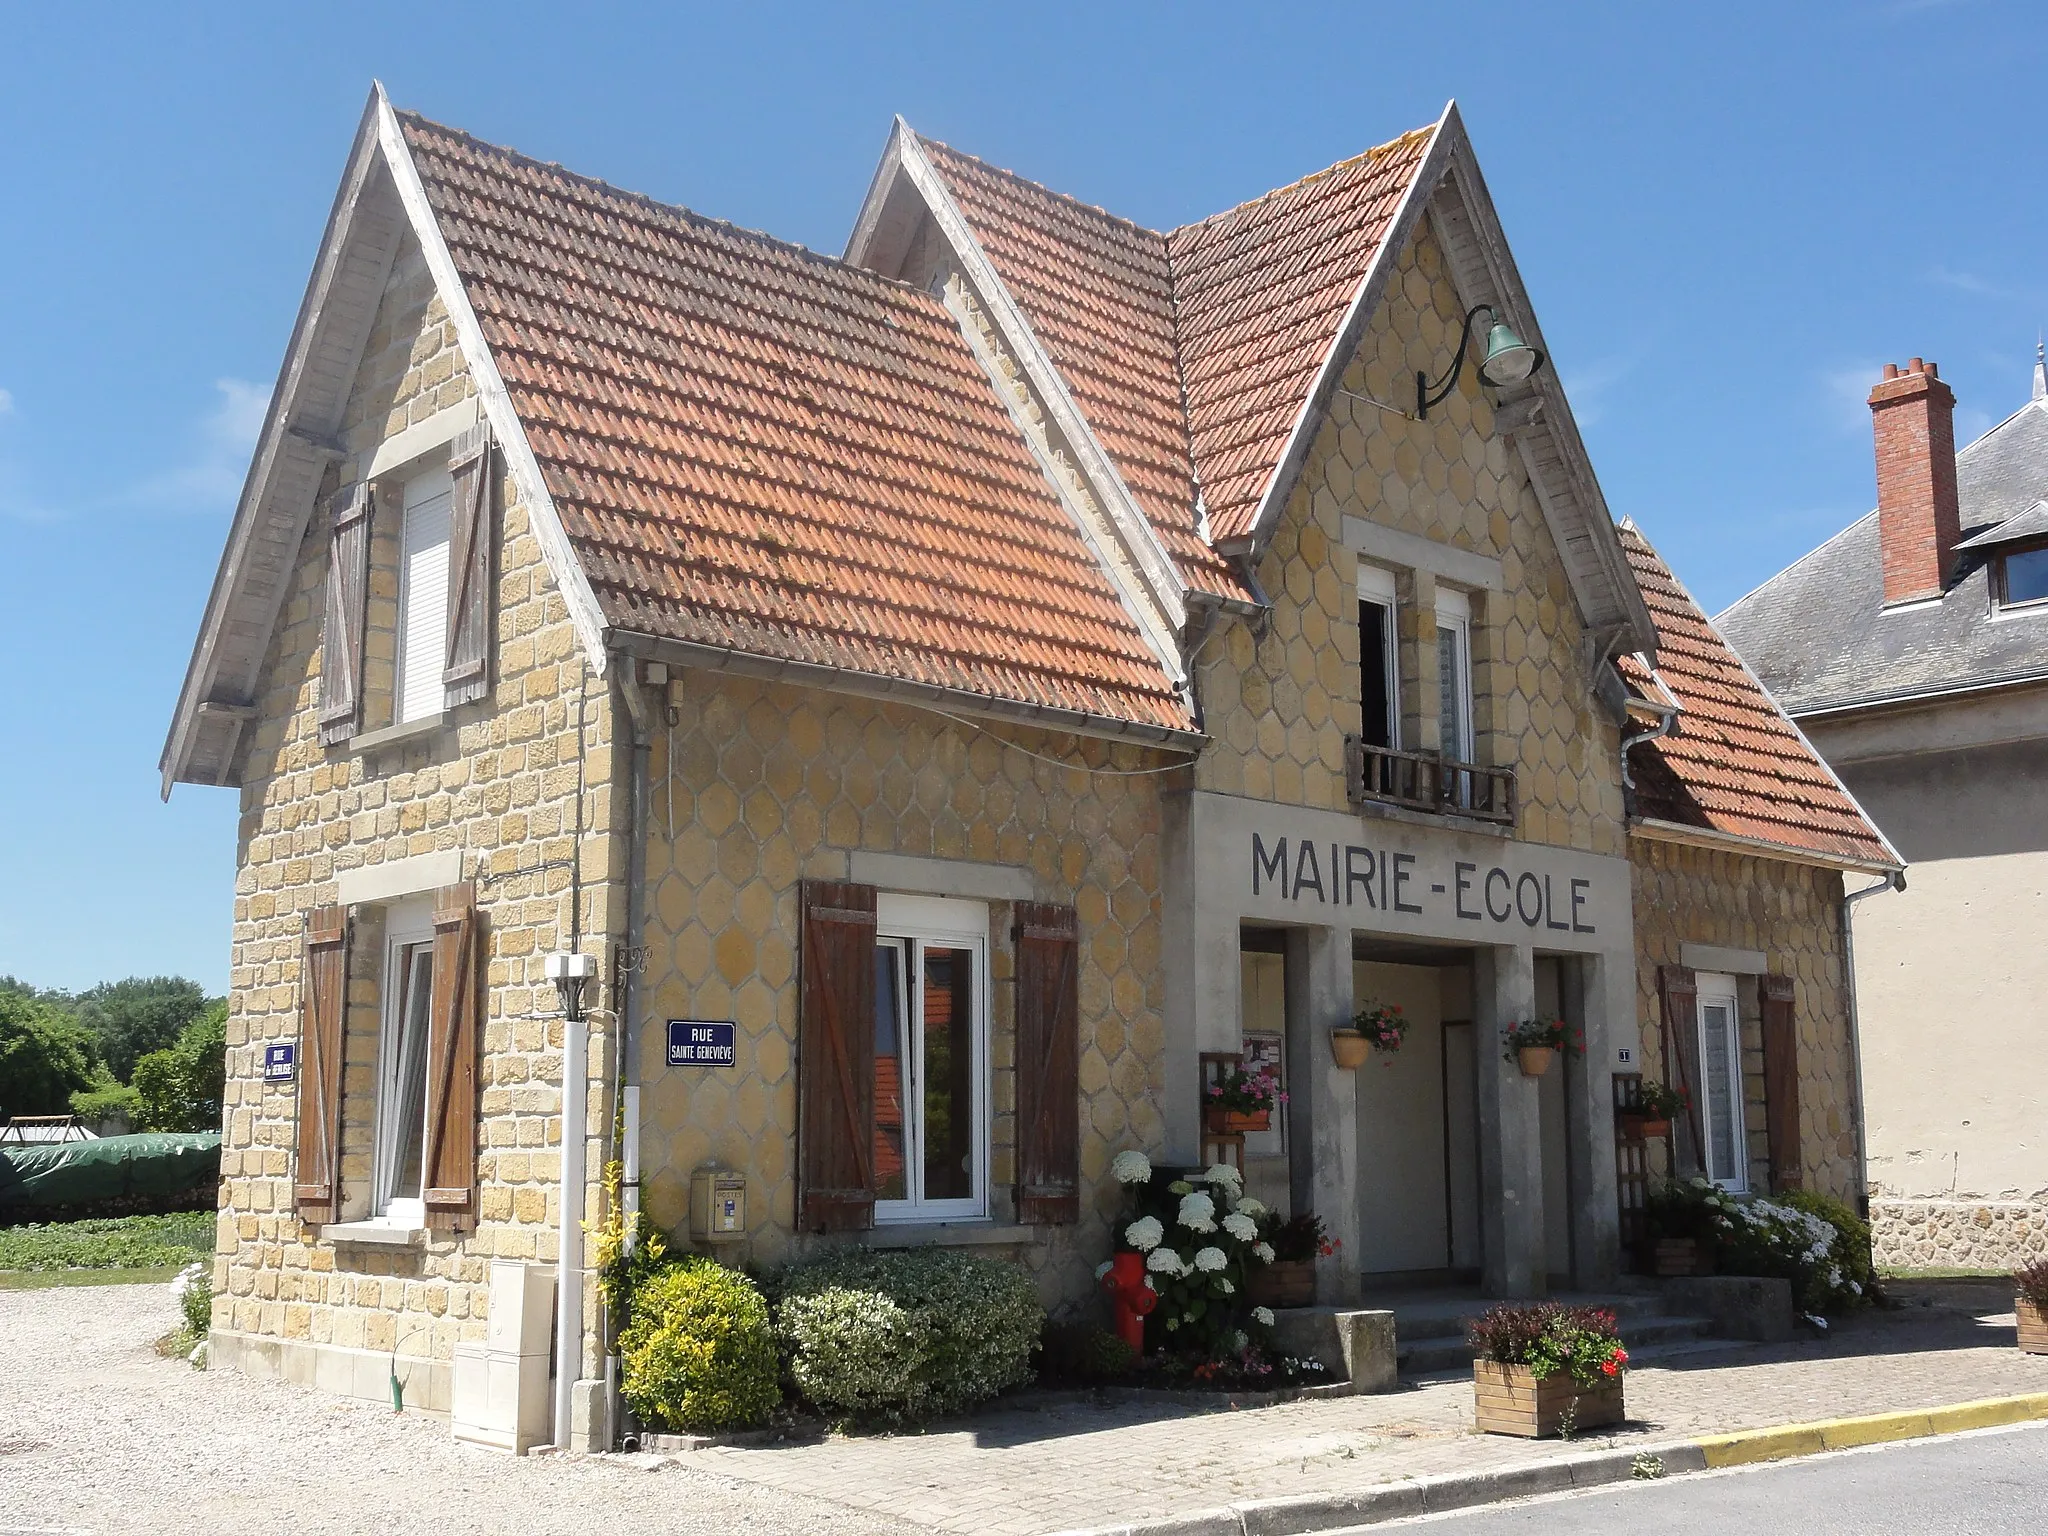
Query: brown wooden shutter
x,y
835,1116
347,615
323,1002
1680,992
470,540
1048,1063
452,1059
1781,1082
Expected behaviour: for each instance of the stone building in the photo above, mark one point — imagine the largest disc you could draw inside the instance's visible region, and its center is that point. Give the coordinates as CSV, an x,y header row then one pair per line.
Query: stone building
x,y
1912,648
953,700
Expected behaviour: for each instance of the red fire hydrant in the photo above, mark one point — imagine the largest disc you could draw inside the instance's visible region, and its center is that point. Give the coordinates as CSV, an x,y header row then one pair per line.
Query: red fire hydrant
x,y
1130,1296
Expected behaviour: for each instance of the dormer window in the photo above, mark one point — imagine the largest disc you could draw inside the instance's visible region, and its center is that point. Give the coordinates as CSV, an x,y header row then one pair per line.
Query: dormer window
x,y
2022,577
423,595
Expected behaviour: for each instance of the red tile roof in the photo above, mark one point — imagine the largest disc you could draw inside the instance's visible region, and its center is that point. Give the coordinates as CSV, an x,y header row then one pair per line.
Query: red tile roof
x,y
756,447
1196,347
1736,764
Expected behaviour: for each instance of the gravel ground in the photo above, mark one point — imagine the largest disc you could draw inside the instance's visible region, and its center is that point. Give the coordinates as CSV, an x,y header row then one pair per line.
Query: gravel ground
x,y
97,1433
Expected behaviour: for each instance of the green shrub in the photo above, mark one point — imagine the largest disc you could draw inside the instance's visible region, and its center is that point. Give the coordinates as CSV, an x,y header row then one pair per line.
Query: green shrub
x,y
905,1336
1851,1254
121,1242
179,1088
194,1290
106,1098
699,1355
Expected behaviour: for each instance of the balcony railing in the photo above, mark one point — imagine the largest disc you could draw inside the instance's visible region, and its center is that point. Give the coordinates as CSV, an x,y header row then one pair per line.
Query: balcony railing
x,y
1427,782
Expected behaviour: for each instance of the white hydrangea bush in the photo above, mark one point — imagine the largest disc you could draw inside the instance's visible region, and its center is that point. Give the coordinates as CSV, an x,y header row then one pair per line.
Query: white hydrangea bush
x,y
1200,1239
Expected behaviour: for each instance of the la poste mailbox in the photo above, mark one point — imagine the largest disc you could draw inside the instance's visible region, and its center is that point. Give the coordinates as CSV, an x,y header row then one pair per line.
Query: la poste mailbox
x,y
700,1043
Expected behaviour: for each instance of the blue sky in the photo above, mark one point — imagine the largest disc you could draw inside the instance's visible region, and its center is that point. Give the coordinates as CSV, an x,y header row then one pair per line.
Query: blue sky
x,y
1728,221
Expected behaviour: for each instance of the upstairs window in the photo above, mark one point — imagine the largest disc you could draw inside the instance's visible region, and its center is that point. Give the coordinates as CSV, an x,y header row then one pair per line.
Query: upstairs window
x,y
1454,673
1379,659
2023,578
423,595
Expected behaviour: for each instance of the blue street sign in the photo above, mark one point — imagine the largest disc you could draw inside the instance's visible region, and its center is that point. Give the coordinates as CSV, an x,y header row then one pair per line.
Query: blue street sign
x,y
699,1043
279,1062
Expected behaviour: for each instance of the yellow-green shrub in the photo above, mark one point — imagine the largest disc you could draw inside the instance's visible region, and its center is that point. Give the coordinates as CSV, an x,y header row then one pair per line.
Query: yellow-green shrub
x,y
698,1353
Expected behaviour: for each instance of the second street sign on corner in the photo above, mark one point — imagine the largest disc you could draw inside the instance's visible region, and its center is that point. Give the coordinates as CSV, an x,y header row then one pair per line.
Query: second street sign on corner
x,y
700,1043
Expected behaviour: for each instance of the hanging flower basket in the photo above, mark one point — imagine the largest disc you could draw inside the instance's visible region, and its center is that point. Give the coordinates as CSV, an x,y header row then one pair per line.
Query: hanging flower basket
x,y
1349,1048
1534,1059
1532,1043
1383,1026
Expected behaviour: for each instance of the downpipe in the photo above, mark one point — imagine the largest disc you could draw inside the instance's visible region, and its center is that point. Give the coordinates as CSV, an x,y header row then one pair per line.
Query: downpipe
x,y
1895,881
631,967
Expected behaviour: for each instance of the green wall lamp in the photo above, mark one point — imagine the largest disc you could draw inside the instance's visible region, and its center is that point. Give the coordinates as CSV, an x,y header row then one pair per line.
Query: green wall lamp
x,y
1509,360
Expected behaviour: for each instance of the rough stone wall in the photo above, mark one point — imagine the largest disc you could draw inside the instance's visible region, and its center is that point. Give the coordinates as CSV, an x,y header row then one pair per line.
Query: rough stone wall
x,y
501,784
771,784
1792,912
1281,703
1958,1234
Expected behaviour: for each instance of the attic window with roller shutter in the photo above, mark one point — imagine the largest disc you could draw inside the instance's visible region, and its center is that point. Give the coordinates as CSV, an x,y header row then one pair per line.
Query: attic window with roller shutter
x,y
423,596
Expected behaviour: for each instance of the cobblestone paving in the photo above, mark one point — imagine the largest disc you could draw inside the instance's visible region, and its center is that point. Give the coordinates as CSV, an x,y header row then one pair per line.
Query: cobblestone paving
x,y
1066,1465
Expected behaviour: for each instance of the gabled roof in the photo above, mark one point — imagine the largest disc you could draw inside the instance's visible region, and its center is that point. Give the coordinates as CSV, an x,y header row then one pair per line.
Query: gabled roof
x,y
1735,767
1202,360
732,448
760,449
1819,632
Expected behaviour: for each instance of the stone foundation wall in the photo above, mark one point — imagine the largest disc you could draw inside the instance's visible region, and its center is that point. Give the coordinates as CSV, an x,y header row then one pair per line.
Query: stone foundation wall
x,y
1958,1234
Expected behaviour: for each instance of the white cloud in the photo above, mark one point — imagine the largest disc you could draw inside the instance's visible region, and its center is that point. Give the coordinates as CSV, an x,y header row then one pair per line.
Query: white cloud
x,y
1589,386
6,402
1982,287
217,460
1846,395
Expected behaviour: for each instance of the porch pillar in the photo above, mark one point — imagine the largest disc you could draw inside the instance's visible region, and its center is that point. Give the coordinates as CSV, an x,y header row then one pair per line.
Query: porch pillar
x,y
1600,997
1323,1146
1510,1127
1200,962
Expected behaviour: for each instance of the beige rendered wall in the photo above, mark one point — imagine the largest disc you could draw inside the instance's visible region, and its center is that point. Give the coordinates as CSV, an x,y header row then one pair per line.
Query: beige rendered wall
x,y
1792,913
760,785
499,786
1951,976
1280,704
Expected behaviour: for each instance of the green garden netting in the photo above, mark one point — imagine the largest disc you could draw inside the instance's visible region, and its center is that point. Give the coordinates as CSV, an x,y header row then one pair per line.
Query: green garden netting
x,y
158,1166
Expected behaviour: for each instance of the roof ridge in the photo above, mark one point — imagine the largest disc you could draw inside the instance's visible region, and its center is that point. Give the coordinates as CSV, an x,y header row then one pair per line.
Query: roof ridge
x,y
1375,152
1038,186
682,210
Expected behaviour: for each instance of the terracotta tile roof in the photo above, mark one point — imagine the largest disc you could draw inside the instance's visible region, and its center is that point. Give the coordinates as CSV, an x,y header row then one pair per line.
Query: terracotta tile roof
x,y
1196,347
1098,293
1736,764
1262,291
756,447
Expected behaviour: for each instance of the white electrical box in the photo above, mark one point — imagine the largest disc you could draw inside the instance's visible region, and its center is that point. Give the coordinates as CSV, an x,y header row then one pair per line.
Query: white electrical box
x,y
501,1396
718,1206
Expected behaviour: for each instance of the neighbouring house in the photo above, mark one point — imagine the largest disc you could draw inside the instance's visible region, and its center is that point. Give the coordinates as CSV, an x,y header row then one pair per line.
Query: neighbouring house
x,y
953,700
1912,649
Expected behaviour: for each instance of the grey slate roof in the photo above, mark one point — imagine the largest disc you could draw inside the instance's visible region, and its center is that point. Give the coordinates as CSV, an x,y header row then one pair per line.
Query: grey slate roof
x,y
1819,637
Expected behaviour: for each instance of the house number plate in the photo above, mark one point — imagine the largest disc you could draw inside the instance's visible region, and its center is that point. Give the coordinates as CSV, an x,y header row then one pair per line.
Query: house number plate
x,y
699,1043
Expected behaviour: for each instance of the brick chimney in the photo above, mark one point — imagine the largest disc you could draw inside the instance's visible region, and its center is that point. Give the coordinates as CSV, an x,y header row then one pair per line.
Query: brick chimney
x,y
1918,519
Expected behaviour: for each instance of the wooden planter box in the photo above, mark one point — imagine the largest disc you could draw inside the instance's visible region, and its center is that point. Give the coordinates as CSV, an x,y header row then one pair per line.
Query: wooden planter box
x,y
2033,1327
1678,1256
1510,1401
1283,1283
1235,1122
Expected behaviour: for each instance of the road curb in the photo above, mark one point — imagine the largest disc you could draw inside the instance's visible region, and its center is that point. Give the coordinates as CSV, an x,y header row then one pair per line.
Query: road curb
x,y
1409,1497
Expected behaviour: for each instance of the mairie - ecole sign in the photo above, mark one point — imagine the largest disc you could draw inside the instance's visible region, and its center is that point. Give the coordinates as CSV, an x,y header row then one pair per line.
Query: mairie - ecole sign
x,y
1370,879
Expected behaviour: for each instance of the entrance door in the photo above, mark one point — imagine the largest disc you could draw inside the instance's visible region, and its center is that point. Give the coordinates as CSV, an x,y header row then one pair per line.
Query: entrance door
x,y
1720,1025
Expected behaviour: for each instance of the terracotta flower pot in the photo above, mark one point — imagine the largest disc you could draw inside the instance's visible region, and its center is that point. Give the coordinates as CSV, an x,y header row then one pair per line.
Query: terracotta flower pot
x,y
1640,1127
1349,1048
2033,1326
1508,1400
1235,1122
1535,1059
1283,1283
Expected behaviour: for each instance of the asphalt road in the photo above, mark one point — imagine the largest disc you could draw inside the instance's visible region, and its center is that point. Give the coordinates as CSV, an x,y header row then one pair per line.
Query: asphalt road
x,y
1993,1483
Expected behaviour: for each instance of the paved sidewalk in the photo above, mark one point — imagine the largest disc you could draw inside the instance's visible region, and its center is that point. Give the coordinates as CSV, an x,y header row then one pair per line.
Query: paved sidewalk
x,y
1063,1466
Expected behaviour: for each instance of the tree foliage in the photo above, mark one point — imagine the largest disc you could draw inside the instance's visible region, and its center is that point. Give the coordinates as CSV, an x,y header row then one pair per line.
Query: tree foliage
x,y
180,1089
142,1014
44,1057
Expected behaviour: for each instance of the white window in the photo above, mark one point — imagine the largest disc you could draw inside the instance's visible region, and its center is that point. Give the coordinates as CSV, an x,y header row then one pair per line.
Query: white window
x,y
1379,659
423,595
1727,1150
399,1159
1454,673
931,1059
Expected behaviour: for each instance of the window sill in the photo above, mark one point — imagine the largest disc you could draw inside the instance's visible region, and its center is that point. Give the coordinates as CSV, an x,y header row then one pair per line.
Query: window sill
x,y
948,1234
373,1234
393,735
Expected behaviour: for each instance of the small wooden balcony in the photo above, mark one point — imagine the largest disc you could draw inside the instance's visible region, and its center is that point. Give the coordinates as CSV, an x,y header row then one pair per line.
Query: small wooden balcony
x,y
1428,782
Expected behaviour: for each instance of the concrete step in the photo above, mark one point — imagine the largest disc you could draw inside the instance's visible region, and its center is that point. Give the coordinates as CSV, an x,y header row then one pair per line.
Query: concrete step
x,y
1647,1336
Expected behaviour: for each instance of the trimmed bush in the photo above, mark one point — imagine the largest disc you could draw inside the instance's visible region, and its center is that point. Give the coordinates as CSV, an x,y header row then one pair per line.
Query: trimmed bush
x,y
902,1337
698,1354
1851,1252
